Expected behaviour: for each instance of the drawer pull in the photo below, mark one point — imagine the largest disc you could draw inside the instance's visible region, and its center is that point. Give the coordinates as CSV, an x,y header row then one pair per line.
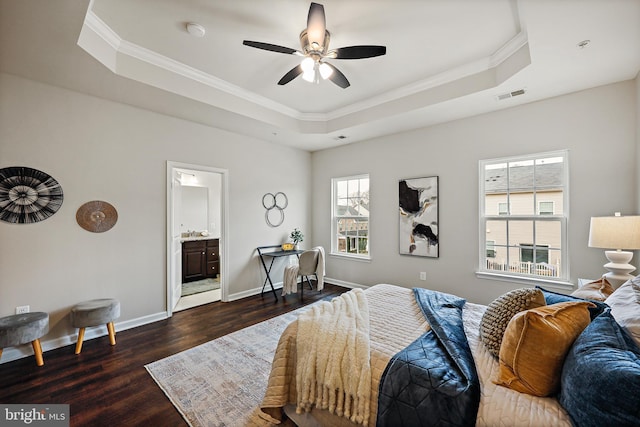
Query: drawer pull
x,y
213,253
213,268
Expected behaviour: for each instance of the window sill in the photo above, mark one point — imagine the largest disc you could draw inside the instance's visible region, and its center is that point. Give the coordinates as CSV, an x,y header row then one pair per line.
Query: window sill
x,y
532,281
350,257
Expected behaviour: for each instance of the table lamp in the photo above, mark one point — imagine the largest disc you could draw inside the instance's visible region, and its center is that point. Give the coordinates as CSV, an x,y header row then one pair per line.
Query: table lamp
x,y
616,232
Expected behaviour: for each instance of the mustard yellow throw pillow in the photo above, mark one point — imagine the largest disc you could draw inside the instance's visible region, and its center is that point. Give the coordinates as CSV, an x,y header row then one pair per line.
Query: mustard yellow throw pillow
x,y
598,290
535,344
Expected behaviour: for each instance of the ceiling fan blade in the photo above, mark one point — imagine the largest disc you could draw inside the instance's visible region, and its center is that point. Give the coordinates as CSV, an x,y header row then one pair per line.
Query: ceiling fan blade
x,y
337,77
359,52
292,74
269,47
316,24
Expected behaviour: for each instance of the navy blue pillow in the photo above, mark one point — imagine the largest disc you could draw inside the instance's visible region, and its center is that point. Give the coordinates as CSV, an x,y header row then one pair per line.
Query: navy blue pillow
x,y
600,381
551,297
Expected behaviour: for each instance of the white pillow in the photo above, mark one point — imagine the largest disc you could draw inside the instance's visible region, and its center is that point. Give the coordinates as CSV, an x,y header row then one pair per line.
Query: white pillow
x,y
625,307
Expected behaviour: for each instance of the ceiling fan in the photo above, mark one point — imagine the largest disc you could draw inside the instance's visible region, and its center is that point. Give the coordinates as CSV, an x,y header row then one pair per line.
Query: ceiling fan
x,y
315,49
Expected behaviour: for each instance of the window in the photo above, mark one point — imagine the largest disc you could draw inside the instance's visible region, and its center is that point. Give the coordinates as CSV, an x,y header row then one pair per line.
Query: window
x,y
527,251
526,236
491,249
350,217
545,208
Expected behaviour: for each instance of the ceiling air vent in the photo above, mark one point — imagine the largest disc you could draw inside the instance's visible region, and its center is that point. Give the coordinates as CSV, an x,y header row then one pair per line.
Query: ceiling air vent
x,y
510,94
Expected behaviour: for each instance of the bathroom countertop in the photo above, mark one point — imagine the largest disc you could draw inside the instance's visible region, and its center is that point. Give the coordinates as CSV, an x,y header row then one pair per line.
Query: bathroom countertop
x,y
194,238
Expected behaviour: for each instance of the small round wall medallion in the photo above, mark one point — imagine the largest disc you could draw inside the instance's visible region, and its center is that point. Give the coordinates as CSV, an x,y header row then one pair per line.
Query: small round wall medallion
x,y
28,195
97,216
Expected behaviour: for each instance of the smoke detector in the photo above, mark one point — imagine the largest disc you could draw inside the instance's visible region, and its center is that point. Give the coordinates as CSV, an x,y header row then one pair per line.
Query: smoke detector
x,y
195,29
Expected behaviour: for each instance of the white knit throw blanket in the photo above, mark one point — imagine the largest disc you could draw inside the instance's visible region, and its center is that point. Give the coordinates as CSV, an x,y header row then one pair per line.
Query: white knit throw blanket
x,y
333,359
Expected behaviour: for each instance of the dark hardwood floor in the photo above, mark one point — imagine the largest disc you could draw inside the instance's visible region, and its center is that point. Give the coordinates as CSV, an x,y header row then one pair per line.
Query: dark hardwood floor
x,y
109,386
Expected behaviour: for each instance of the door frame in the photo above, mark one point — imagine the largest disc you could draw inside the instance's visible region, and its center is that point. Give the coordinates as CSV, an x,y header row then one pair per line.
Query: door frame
x,y
224,227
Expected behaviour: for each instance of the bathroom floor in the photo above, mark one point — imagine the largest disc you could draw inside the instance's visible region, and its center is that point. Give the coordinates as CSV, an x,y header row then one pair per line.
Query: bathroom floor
x,y
196,296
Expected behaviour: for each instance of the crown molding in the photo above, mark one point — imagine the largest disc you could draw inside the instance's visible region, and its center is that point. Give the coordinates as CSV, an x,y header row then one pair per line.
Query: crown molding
x,y
123,47
101,29
506,51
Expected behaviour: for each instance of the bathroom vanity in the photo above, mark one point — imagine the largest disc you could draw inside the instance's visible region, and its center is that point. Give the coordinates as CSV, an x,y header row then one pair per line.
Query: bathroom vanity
x,y
200,259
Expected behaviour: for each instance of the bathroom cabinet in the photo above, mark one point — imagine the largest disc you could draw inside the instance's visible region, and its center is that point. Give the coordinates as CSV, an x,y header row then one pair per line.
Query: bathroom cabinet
x,y
213,258
200,259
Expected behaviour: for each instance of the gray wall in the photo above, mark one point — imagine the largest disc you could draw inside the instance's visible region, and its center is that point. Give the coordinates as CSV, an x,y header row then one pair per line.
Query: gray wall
x,y
637,143
597,126
101,150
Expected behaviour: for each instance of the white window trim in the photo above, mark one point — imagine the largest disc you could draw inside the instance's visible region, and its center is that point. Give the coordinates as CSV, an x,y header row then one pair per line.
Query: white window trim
x,y
483,273
334,231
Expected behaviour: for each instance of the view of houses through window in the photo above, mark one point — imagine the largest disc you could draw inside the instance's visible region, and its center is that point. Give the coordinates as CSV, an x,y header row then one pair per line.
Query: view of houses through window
x,y
351,215
523,215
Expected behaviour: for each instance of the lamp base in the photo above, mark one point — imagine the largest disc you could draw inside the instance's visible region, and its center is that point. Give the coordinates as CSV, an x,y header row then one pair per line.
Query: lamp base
x,y
619,267
617,280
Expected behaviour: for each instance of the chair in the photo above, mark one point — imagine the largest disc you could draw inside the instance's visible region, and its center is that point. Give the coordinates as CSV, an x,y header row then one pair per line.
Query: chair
x,y
307,266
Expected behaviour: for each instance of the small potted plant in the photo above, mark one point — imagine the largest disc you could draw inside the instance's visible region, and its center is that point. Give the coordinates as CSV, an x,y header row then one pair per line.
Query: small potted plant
x,y
297,237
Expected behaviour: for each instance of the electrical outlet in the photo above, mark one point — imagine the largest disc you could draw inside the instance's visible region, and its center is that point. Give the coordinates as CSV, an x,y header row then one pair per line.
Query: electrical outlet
x,y
423,275
22,309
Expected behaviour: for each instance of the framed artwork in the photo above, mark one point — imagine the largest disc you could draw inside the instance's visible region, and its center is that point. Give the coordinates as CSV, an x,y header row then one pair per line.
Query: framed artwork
x,y
418,212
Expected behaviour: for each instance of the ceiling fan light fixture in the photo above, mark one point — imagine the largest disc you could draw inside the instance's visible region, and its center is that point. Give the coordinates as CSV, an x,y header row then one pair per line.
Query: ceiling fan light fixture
x,y
307,64
314,43
309,76
325,71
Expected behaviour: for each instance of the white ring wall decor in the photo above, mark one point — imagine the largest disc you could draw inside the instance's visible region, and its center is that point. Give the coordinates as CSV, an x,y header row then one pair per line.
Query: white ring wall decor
x,y
271,202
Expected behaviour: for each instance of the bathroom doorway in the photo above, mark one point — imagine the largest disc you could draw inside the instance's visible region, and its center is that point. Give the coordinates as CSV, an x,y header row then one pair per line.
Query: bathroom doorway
x,y
196,235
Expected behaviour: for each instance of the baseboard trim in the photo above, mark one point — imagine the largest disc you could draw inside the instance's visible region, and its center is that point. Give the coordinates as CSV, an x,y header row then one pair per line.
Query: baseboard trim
x,y
344,284
254,291
14,353
25,350
276,286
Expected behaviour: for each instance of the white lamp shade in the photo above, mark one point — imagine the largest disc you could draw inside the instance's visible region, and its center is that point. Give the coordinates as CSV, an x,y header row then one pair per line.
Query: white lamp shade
x,y
309,76
615,232
307,64
325,71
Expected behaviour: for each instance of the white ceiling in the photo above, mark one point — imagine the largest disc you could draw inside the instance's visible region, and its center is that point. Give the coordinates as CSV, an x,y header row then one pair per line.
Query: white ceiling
x,y
446,59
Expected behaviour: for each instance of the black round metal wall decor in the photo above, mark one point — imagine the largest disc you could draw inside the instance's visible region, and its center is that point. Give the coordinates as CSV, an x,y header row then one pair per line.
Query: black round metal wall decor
x,y
28,195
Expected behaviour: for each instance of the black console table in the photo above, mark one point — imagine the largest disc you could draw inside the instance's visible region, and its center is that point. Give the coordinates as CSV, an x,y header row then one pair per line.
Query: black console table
x,y
273,252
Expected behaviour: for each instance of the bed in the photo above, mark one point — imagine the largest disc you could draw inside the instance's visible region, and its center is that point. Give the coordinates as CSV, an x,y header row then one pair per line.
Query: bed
x,y
395,321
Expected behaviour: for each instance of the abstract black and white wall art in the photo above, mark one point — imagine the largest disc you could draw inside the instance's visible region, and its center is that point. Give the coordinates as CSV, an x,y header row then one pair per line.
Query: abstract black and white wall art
x,y
418,211
28,195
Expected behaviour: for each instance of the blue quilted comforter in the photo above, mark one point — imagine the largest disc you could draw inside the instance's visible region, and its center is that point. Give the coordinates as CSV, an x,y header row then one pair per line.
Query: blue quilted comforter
x,y
432,382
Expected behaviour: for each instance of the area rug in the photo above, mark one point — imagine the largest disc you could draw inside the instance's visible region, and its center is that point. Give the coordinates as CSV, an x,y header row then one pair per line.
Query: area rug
x,y
221,382
199,286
